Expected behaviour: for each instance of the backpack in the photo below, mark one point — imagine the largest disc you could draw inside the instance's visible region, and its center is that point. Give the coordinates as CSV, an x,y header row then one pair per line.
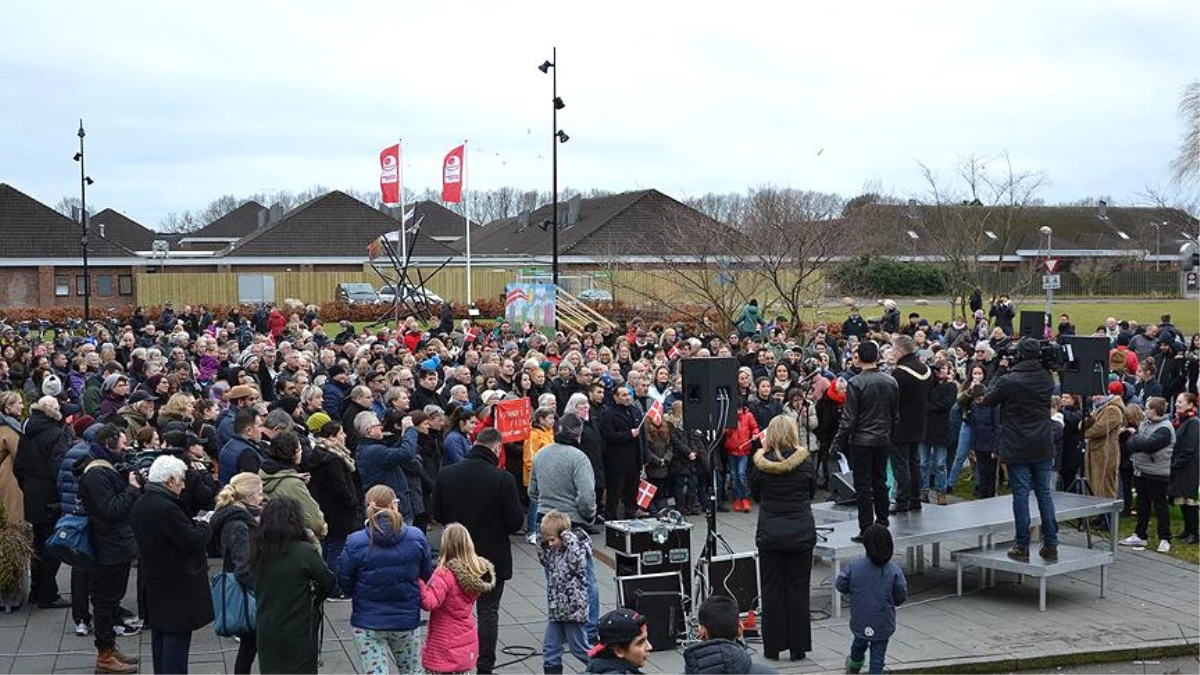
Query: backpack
x,y
70,541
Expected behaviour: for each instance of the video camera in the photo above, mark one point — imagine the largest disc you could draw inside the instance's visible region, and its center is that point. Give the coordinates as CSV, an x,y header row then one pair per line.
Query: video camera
x,y
1052,356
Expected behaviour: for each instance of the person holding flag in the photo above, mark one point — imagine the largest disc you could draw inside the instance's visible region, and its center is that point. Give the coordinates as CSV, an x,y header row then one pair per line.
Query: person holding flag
x,y
621,426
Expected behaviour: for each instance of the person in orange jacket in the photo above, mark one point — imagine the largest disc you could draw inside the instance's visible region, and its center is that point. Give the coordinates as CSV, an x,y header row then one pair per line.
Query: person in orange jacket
x,y
740,443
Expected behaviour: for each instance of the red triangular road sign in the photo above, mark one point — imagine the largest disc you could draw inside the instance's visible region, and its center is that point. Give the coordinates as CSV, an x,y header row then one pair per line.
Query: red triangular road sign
x,y
1051,265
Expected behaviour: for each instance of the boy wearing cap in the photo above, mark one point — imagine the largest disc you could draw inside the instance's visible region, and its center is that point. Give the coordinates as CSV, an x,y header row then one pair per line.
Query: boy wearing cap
x,y
623,645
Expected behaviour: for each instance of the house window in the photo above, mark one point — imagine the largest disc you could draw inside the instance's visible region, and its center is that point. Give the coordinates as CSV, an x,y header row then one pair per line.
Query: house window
x,y
125,284
104,285
62,285
80,284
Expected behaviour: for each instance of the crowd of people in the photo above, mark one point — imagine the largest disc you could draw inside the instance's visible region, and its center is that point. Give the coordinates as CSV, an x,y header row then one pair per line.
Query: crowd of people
x,y
314,466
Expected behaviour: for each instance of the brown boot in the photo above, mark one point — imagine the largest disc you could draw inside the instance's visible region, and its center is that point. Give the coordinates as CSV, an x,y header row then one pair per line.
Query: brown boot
x,y
131,660
941,499
107,662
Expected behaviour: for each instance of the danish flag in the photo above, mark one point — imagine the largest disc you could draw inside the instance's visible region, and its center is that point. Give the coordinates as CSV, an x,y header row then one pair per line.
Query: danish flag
x,y
646,492
655,413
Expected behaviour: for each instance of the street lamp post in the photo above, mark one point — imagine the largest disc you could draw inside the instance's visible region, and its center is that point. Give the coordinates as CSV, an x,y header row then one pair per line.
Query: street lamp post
x,y
557,136
1048,233
84,181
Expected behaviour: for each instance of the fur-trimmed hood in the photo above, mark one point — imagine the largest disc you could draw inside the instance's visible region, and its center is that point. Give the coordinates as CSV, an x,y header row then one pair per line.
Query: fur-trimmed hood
x,y
771,460
469,581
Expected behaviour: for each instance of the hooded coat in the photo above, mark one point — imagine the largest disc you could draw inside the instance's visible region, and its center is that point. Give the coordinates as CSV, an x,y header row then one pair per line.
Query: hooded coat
x,y
281,480
39,453
782,483
380,569
721,656
290,590
452,639
10,492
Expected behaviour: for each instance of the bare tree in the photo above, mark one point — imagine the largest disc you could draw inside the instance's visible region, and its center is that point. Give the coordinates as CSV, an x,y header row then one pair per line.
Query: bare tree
x,y
179,222
1093,272
728,208
69,207
217,208
1186,164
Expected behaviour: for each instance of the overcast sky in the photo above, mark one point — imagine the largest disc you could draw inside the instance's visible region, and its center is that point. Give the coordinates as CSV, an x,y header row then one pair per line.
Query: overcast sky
x,y
184,102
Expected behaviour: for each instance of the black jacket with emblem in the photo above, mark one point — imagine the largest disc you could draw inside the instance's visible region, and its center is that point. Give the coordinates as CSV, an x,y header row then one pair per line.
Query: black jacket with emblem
x,y
914,380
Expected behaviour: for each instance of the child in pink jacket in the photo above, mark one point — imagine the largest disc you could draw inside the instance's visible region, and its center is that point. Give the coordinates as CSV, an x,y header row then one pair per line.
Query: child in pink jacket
x,y
451,640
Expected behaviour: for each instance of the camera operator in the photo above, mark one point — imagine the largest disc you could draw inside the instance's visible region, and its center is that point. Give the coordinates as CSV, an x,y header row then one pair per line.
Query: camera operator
x,y
1025,442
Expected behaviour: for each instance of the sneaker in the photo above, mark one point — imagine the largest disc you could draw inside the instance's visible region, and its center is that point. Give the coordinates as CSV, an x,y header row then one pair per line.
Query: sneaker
x,y
531,538
126,630
82,629
1164,546
1132,540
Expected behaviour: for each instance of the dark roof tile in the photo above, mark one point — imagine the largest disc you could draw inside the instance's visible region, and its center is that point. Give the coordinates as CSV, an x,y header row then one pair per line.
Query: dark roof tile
x,y
30,229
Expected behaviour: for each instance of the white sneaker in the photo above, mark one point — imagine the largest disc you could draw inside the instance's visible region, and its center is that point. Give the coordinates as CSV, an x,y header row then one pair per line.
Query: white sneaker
x,y
531,538
82,629
1164,546
1132,540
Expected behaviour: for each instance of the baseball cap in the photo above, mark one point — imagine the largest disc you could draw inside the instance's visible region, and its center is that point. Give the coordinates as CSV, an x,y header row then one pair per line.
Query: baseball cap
x,y
618,627
139,396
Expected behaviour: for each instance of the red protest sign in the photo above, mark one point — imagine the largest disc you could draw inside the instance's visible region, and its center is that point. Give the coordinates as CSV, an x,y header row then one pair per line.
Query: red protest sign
x,y
513,419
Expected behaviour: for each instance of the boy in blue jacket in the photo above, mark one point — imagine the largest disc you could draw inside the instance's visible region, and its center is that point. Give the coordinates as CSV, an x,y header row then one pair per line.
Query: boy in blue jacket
x,y
875,585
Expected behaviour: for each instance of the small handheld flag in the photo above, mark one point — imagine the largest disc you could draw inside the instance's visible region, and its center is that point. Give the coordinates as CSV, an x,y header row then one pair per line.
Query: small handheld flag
x,y
646,491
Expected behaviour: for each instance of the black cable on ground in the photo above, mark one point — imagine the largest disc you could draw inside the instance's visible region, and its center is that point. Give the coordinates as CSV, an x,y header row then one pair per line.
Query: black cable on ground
x,y
522,652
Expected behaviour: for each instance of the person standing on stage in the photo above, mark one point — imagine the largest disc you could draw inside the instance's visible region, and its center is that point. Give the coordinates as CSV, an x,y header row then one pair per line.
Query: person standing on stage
x,y
1024,441
869,420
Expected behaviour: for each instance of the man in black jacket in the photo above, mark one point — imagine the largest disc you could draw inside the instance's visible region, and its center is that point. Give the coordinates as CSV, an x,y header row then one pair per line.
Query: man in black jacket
x,y
108,497
39,452
869,419
478,494
620,426
1025,442
914,380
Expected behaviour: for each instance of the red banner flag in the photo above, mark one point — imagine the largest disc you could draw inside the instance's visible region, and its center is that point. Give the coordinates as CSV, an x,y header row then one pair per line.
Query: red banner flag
x,y
513,419
452,176
389,174
645,494
655,413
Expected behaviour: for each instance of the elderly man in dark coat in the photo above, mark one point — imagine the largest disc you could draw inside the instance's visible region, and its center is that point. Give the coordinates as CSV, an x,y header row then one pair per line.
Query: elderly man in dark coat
x,y
914,379
173,573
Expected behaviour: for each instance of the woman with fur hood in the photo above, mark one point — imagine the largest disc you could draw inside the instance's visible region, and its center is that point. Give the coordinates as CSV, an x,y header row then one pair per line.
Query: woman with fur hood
x,y
451,640
782,483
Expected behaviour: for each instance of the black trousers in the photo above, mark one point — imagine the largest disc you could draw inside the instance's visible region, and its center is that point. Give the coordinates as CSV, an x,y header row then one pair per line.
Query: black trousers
x,y
987,473
81,580
786,623
43,571
906,468
108,587
622,491
247,650
488,609
1152,494
170,651
870,483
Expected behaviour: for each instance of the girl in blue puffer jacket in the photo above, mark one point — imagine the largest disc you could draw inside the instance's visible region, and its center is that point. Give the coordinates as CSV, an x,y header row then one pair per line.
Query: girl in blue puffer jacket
x,y
379,569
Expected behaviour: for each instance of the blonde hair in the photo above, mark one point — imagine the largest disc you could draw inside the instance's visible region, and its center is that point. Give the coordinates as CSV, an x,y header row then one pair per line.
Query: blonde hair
x,y
176,406
6,399
458,545
381,499
782,433
240,487
556,522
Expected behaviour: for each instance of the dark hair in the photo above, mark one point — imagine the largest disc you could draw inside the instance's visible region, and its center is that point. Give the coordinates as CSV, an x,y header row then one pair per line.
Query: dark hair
x,y
283,447
108,436
489,437
282,521
719,616
329,429
459,414
868,351
244,419
878,542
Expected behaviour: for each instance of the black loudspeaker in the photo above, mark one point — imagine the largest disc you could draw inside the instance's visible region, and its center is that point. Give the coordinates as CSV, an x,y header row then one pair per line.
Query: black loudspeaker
x,y
841,488
735,576
664,617
1086,371
1033,325
709,386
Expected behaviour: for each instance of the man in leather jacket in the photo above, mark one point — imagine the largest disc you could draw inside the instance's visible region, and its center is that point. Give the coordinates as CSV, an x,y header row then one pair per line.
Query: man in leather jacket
x,y
869,419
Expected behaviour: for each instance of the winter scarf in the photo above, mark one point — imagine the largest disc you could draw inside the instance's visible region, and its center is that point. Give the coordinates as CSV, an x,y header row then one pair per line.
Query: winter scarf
x,y
339,450
1182,418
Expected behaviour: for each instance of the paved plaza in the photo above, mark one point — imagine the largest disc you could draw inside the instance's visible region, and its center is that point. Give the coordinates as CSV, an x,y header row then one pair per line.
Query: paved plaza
x,y
1150,608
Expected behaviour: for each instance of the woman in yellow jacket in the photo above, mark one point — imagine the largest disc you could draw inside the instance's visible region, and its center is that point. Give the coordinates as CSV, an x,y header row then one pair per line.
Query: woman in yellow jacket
x,y
541,434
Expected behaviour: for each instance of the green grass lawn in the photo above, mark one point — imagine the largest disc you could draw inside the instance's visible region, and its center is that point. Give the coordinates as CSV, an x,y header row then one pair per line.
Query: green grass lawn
x,y
1085,314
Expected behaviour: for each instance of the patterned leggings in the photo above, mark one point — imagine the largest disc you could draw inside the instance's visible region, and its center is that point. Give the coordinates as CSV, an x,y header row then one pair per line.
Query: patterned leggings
x,y
374,645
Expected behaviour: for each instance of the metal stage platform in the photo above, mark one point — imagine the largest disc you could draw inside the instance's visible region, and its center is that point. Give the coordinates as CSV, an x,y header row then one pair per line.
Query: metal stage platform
x,y
983,518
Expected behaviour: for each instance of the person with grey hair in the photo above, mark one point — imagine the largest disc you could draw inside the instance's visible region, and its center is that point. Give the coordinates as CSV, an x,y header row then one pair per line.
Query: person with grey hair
x,y
40,450
359,401
380,463
173,562
914,379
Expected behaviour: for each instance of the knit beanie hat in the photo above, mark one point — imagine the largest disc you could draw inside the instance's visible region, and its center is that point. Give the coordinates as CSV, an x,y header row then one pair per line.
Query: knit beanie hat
x,y
317,421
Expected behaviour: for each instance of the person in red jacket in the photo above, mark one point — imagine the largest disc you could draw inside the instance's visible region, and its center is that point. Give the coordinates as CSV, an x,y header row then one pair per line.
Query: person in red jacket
x,y
740,443
276,323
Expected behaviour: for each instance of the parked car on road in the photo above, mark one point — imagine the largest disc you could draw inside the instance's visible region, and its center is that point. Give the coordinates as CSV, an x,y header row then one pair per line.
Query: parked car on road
x,y
595,295
357,294
388,295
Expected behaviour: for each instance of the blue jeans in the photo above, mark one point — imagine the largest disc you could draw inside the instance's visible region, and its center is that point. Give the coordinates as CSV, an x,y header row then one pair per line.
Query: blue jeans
x,y
331,550
1038,476
858,650
737,470
591,627
960,457
558,633
933,466
532,519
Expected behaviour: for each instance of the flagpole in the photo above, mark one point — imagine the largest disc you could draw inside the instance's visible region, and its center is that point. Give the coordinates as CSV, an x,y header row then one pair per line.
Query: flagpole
x,y
403,232
467,225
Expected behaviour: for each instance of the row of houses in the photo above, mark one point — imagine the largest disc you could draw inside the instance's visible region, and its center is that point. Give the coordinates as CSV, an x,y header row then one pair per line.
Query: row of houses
x,y
41,250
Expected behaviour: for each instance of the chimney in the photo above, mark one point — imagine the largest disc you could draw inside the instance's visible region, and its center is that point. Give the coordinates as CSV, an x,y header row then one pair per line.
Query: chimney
x,y
264,216
522,221
276,212
574,206
1102,210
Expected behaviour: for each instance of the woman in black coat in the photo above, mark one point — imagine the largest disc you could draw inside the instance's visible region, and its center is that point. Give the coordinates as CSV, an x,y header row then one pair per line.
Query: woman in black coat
x,y
782,483
1185,467
333,484
174,566
1072,442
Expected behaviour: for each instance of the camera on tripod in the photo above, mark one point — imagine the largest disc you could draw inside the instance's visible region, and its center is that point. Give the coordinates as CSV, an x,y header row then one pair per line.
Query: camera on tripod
x,y
1051,356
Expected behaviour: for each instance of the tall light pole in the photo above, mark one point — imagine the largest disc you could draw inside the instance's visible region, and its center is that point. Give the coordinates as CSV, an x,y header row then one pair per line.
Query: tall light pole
x,y
84,181
558,136
1048,233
